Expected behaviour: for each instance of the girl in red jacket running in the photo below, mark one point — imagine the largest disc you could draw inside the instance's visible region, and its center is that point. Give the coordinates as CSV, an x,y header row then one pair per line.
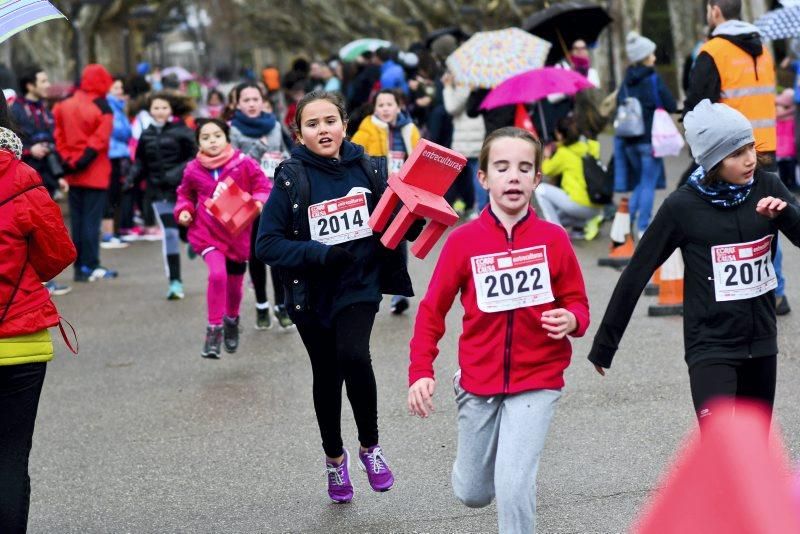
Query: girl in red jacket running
x,y
523,293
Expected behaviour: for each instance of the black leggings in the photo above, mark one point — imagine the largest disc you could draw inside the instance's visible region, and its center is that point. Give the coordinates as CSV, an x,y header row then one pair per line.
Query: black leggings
x,y
258,274
340,354
751,378
20,387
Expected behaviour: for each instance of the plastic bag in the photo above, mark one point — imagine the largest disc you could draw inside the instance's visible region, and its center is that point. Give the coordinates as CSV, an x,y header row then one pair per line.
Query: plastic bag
x,y
667,140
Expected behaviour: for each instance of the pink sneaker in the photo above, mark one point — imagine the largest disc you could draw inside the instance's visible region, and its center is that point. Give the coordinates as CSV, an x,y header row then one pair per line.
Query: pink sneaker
x,y
378,472
339,487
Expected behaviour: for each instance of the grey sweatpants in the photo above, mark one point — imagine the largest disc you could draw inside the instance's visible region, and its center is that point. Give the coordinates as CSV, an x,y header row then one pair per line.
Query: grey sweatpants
x,y
557,207
500,439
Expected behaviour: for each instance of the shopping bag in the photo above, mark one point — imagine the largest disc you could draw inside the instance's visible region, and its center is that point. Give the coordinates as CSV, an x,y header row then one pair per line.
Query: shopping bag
x,y
667,140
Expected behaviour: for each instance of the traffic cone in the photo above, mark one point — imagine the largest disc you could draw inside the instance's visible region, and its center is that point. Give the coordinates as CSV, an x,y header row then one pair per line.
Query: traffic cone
x,y
670,288
735,479
621,248
651,289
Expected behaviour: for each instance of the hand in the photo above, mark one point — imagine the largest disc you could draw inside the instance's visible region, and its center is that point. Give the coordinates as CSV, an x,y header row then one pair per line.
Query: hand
x,y
259,205
559,323
40,150
413,84
420,397
424,102
770,207
447,78
338,258
184,218
63,185
600,370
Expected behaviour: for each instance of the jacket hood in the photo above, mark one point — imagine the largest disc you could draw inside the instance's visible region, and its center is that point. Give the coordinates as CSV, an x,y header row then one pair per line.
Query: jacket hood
x,y
637,73
348,154
742,34
96,80
403,119
9,182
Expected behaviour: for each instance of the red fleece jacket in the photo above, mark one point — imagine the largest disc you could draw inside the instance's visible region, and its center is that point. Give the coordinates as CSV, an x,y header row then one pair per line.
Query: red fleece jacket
x,y
506,351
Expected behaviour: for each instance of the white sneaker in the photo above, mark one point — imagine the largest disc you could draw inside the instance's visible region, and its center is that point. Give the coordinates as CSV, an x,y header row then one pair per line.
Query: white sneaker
x,y
113,242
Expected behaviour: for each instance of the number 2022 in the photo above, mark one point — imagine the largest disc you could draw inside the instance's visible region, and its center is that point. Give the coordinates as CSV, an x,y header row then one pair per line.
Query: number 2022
x,y
331,225
746,273
505,283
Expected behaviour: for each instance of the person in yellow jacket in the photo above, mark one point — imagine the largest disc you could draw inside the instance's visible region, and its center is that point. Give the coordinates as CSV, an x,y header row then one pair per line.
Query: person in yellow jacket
x,y
389,131
569,205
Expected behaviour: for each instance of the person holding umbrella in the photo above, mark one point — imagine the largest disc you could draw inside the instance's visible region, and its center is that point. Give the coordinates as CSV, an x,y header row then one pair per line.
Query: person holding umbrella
x,y
634,162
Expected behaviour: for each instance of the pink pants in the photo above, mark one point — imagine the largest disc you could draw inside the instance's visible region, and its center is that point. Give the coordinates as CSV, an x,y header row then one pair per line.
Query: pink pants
x,y
224,289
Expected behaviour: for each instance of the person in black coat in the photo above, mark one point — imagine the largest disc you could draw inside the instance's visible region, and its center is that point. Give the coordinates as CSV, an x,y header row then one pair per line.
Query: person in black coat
x,y
164,149
725,222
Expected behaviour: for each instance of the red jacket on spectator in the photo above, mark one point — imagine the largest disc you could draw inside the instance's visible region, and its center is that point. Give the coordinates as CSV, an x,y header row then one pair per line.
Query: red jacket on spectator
x,y
34,247
83,130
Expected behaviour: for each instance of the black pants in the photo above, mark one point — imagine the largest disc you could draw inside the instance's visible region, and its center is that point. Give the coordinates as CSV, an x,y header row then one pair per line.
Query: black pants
x,y
20,386
751,378
86,208
258,274
340,354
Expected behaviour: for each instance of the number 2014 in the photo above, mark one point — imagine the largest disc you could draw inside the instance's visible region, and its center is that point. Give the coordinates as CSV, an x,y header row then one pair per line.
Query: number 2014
x,y
505,283
331,225
746,272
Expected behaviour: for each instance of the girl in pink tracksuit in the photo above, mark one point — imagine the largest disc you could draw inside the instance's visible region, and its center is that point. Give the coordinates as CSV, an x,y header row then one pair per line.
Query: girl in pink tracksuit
x,y
225,254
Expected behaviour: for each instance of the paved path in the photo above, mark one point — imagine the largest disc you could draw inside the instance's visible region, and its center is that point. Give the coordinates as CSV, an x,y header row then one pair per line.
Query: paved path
x,y
139,434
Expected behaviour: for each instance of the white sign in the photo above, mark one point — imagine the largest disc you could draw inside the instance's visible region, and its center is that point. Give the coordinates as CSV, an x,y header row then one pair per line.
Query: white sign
x,y
340,220
511,280
743,270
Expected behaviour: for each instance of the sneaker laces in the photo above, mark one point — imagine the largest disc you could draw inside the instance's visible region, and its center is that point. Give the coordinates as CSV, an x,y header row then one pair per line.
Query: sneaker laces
x,y
377,460
335,473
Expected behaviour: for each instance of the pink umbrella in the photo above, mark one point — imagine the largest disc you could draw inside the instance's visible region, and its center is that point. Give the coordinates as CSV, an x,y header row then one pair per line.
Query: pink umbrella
x,y
535,85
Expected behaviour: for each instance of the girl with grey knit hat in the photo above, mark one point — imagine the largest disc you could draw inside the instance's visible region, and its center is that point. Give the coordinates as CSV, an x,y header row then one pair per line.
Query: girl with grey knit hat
x,y
725,221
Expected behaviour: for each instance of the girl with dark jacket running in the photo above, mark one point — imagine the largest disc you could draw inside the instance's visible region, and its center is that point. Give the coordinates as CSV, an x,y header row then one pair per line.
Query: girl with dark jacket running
x,y
164,149
725,221
334,269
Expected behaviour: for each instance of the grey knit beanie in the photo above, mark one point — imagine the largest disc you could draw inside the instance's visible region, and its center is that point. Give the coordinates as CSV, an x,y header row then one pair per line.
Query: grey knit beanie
x,y
715,131
638,48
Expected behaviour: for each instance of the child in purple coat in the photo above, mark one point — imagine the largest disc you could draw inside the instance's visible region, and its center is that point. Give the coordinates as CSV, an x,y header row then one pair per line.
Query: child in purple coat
x,y
225,254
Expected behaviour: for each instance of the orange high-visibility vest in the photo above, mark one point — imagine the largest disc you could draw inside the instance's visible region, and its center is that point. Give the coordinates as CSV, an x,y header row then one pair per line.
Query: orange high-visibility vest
x,y
747,86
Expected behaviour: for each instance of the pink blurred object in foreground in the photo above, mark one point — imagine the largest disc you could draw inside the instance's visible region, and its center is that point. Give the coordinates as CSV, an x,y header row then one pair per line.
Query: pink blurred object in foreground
x,y
734,480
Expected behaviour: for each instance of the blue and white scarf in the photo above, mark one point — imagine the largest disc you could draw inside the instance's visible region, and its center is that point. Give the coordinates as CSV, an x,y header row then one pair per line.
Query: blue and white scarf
x,y
720,193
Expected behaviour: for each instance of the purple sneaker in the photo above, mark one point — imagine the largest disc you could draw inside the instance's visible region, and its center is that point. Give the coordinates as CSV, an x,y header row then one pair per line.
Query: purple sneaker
x,y
339,487
374,463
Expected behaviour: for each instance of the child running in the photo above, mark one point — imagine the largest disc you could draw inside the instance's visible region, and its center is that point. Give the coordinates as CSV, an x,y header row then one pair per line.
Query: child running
x,y
161,156
523,293
725,222
225,255
258,134
314,230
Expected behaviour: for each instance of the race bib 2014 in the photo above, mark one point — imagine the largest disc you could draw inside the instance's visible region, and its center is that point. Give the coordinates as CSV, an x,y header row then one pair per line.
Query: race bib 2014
x,y
340,220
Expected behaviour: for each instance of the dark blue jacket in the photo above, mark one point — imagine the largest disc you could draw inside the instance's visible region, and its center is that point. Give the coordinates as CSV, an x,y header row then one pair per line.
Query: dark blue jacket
x,y
645,84
284,238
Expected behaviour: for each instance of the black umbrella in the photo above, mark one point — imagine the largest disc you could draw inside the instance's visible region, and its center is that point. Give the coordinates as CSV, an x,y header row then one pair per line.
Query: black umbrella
x,y
565,22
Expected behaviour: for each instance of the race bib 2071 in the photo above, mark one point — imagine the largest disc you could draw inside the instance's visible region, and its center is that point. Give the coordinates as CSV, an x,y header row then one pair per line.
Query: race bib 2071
x,y
743,270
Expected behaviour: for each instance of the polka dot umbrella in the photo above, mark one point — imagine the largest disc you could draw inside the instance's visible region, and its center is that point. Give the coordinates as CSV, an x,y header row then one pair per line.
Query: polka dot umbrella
x,y
781,23
488,58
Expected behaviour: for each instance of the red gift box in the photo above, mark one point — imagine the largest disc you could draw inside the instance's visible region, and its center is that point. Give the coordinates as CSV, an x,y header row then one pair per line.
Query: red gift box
x,y
232,207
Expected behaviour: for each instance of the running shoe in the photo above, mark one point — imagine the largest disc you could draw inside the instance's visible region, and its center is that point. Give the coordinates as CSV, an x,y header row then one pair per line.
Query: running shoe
x,y
263,319
592,227
399,305
782,305
175,290
129,235
283,317
86,274
339,487
112,242
57,289
374,463
230,327
211,347
152,234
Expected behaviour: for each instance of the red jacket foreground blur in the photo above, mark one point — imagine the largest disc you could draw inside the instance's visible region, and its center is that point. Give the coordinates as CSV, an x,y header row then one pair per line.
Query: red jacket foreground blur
x,y
83,130
34,244
508,351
